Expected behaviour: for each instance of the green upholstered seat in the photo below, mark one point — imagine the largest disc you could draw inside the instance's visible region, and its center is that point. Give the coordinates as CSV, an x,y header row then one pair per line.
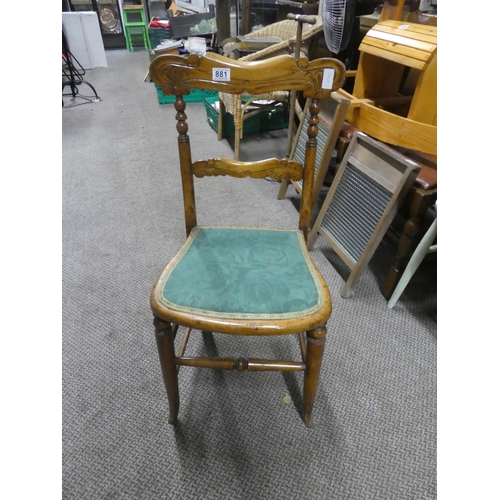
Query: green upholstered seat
x,y
242,273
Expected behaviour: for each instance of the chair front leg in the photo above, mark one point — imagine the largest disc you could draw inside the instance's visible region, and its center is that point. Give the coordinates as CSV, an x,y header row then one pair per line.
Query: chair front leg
x,y
314,357
166,350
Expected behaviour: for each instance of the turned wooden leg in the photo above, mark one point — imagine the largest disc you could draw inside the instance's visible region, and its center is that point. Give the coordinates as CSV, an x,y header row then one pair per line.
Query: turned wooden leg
x,y
166,350
314,356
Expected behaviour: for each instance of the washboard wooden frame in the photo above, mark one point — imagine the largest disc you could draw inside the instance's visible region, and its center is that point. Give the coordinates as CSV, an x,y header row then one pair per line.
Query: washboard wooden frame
x,y
331,119
368,189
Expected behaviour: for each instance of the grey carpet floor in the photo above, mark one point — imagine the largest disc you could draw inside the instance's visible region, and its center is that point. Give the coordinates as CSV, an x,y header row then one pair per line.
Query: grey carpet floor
x,y
375,414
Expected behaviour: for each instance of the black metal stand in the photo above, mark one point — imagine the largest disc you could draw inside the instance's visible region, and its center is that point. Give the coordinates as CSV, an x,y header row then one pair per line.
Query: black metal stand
x,y
72,76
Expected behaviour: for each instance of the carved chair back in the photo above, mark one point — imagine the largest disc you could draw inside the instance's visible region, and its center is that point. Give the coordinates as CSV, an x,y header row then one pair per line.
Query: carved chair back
x,y
178,75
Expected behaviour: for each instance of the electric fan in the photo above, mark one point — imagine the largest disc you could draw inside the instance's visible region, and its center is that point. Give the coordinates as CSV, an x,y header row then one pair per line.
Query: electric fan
x,y
339,18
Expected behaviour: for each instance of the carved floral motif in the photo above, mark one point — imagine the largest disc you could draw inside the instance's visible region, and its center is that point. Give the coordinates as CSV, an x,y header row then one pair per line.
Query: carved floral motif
x,y
176,75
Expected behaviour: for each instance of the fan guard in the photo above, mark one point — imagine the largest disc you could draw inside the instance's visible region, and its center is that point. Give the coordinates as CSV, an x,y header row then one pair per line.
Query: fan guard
x,y
338,18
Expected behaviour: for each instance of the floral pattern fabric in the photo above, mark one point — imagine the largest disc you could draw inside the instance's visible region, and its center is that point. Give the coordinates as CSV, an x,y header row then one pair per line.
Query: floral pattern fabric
x,y
232,272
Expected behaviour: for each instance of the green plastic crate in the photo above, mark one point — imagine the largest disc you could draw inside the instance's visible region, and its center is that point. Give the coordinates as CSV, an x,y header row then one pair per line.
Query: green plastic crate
x,y
196,95
156,35
265,121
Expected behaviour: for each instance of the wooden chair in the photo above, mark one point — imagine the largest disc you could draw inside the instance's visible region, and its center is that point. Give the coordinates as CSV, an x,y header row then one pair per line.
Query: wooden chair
x,y
212,283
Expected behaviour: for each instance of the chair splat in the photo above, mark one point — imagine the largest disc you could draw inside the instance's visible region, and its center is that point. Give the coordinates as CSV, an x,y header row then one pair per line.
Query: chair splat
x,y
273,168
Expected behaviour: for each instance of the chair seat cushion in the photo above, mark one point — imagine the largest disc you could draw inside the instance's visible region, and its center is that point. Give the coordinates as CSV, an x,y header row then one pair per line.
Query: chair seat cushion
x,y
242,273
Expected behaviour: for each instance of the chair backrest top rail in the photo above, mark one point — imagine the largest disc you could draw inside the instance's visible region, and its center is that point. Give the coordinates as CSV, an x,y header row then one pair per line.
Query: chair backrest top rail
x,y
178,75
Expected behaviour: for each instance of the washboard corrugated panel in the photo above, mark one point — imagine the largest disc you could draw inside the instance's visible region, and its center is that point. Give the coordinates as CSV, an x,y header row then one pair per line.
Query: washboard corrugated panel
x,y
355,211
367,191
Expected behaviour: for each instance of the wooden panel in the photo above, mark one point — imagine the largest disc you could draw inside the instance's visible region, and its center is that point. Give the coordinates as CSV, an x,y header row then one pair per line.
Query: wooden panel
x,y
391,11
394,129
417,48
410,33
382,53
416,28
376,167
404,43
374,171
377,77
424,105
